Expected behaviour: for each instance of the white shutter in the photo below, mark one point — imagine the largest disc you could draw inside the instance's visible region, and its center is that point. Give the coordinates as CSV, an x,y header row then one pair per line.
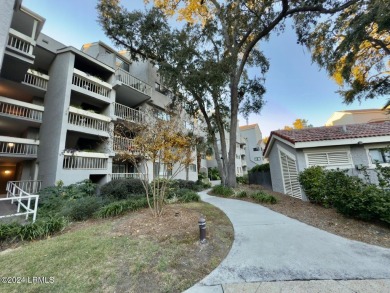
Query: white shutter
x,y
290,176
339,158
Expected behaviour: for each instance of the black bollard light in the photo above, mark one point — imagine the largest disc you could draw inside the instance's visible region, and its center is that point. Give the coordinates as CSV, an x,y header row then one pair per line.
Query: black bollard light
x,y
202,230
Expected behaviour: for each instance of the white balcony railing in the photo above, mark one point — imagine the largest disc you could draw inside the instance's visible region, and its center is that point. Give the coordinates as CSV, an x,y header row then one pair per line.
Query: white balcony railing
x,y
36,79
85,161
18,146
133,82
123,144
21,109
20,42
91,83
129,114
87,119
116,176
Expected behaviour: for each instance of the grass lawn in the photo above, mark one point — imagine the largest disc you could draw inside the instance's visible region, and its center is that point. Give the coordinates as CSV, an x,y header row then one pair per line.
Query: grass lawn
x,y
132,253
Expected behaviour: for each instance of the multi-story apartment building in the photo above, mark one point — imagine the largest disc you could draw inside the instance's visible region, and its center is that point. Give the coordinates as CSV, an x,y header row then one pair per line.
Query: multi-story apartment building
x,y
254,144
240,157
59,105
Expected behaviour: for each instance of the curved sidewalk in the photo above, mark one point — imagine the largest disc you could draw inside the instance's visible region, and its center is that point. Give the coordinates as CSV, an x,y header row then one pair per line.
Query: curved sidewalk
x,y
270,250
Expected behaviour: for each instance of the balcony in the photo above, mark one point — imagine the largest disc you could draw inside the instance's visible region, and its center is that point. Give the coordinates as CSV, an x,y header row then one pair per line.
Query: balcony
x,y
123,144
36,79
116,176
20,42
85,161
89,84
17,109
133,82
88,120
18,147
129,114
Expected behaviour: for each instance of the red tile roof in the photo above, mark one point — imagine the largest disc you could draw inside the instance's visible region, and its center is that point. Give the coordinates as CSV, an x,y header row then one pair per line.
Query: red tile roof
x,y
334,132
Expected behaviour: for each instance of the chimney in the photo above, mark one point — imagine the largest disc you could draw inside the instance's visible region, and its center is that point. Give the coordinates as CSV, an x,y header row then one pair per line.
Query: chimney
x,y
344,128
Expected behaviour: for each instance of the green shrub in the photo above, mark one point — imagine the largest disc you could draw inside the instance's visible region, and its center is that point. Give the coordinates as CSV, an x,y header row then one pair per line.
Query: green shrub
x,y
263,197
260,168
243,180
350,195
214,174
122,188
82,208
41,228
120,207
222,190
189,196
242,194
313,182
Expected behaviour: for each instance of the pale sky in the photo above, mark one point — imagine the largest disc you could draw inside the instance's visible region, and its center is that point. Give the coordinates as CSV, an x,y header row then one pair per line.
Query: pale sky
x,y
296,88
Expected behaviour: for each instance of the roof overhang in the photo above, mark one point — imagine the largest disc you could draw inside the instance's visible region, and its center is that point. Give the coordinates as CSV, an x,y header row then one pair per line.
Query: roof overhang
x,y
325,143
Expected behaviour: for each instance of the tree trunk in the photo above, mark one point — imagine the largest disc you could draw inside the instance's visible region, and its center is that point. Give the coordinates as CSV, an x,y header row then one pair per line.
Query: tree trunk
x,y
231,165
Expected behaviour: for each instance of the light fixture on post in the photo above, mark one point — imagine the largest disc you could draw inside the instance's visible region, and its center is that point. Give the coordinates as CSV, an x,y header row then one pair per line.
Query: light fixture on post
x,y
10,144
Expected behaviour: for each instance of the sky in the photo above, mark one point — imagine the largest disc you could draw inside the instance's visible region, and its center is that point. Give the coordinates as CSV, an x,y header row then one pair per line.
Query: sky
x,y
296,87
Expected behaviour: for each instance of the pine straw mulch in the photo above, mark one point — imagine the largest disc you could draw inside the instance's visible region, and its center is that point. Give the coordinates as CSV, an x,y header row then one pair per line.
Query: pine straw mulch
x,y
327,219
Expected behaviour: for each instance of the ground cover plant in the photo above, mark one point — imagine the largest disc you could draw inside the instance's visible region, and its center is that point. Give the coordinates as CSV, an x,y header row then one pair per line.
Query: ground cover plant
x,y
131,253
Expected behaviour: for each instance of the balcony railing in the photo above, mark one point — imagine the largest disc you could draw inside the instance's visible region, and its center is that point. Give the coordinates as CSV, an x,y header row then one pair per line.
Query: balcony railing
x,y
133,82
116,176
20,42
86,119
21,109
36,79
91,83
85,161
123,144
16,146
129,114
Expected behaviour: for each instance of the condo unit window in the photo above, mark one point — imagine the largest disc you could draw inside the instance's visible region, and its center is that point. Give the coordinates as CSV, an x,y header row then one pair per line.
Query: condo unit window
x,y
120,63
162,170
192,167
380,155
157,86
188,125
257,158
256,149
163,115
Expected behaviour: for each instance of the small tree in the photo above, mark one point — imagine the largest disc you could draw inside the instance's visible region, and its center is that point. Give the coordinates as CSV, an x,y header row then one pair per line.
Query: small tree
x,y
160,146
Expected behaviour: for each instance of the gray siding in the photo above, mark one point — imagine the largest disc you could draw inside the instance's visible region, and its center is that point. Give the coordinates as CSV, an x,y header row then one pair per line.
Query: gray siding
x,y
53,132
6,13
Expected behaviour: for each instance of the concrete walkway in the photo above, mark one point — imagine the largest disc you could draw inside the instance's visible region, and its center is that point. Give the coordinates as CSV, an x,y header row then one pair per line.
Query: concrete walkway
x,y
274,253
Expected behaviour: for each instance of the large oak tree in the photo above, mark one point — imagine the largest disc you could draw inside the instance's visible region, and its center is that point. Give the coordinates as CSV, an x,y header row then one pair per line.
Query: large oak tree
x,y
205,59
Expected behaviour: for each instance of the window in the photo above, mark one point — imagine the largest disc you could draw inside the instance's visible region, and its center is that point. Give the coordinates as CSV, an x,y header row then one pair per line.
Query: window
x,y
380,155
256,149
335,159
203,157
160,114
162,170
257,158
192,167
157,86
188,125
120,63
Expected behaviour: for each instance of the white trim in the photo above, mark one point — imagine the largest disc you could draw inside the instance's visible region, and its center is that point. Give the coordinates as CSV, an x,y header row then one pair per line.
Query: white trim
x,y
349,141
22,36
22,104
87,154
39,74
89,114
288,153
375,146
19,140
271,142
